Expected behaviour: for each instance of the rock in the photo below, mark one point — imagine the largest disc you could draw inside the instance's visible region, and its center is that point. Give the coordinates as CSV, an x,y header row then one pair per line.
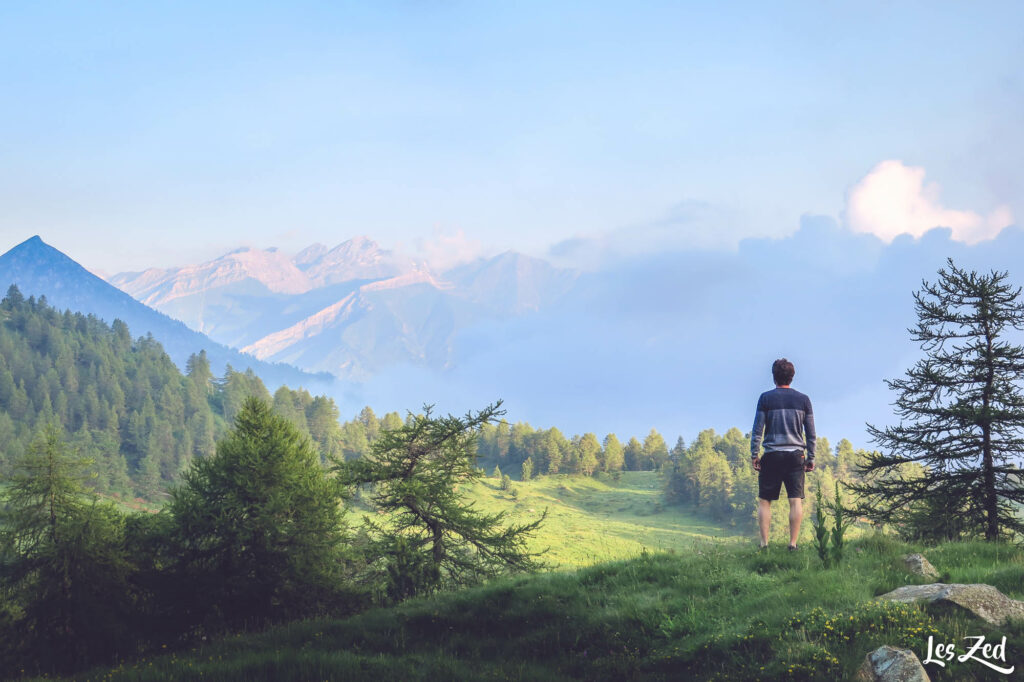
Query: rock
x,y
979,600
918,565
889,664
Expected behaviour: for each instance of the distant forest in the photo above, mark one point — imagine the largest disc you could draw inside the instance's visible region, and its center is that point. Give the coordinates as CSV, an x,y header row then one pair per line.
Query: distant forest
x,y
122,402
712,474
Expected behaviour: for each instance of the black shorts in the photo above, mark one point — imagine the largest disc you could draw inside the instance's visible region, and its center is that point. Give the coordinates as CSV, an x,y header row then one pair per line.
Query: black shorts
x,y
778,468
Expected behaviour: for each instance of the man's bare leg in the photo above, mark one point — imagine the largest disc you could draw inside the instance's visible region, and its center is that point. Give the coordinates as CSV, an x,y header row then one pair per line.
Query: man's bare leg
x,y
764,519
796,515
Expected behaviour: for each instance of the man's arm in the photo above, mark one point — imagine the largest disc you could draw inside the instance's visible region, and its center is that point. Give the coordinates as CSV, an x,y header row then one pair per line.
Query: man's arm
x,y
809,433
757,432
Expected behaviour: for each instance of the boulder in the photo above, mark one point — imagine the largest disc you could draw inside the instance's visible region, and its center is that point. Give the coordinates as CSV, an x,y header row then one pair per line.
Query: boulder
x,y
918,565
979,600
889,664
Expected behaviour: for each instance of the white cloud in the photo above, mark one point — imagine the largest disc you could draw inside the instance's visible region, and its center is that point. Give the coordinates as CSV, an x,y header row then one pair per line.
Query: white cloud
x,y
690,225
893,199
443,251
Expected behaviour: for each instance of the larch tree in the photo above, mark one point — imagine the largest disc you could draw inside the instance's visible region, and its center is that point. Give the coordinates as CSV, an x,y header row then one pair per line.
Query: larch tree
x,y
60,560
589,450
633,455
961,410
527,469
259,526
614,455
433,531
655,451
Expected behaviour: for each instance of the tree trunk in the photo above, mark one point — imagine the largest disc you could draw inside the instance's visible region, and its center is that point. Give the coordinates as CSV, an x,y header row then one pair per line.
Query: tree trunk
x,y
989,499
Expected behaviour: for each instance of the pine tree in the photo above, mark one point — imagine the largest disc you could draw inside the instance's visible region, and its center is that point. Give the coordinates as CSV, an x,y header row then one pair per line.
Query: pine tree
x,y
588,449
390,422
633,455
502,440
553,451
417,470
846,459
60,557
961,410
259,524
655,451
369,422
614,456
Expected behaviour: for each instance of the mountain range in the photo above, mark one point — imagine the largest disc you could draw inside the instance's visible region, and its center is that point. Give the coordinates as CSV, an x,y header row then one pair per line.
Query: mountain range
x,y
352,310
38,269
680,340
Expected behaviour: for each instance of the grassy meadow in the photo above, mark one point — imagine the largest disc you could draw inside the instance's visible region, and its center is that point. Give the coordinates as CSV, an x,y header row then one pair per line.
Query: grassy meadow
x,y
714,611
591,520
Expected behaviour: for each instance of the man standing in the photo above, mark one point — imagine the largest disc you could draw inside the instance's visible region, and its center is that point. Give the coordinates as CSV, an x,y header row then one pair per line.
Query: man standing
x,y
785,417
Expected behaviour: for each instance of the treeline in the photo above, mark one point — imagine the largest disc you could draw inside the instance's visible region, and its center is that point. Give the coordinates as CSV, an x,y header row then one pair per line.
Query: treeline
x,y
124,404
714,476
531,452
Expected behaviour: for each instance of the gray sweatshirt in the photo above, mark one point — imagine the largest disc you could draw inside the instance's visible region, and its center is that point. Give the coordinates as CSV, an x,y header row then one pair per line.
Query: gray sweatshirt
x,y
786,418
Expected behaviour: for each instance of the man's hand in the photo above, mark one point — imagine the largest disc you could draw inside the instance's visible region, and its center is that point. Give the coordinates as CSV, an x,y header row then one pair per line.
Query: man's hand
x,y
756,461
809,466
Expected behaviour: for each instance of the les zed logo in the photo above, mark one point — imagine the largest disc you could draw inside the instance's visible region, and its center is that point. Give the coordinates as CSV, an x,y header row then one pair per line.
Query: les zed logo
x,y
946,652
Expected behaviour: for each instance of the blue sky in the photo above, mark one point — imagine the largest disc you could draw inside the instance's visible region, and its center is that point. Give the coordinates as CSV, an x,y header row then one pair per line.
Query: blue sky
x,y
141,134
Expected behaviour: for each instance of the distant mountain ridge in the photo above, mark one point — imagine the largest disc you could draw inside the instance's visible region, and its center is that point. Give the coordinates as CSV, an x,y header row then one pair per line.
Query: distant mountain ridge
x,y
250,269
352,310
38,269
679,340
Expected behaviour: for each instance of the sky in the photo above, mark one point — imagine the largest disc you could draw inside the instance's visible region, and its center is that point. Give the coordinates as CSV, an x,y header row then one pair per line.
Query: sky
x,y
156,134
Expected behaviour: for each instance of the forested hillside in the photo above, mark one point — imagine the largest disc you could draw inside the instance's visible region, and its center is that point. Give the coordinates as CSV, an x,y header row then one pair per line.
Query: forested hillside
x,y
121,401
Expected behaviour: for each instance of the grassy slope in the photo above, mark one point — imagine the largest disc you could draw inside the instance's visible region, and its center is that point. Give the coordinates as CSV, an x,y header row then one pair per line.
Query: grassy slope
x,y
718,611
597,519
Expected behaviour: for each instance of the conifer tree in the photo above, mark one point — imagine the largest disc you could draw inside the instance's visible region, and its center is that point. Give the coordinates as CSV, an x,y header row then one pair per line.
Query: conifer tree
x,y
553,450
633,455
259,525
61,560
655,451
588,452
961,411
614,456
417,470
846,459
391,421
370,423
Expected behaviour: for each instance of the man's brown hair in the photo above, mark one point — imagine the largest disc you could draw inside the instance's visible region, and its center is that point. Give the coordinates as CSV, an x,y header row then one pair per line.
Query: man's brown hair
x,y
782,372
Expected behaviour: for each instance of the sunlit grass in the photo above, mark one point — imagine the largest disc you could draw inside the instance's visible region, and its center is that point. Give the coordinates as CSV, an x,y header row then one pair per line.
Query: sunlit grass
x,y
591,520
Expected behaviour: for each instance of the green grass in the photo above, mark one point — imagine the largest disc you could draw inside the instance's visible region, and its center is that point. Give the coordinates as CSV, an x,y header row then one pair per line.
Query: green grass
x,y
717,611
591,520
595,519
